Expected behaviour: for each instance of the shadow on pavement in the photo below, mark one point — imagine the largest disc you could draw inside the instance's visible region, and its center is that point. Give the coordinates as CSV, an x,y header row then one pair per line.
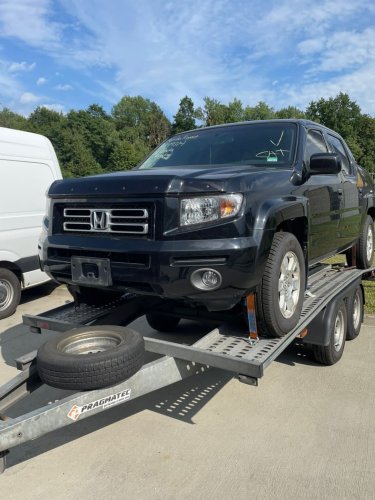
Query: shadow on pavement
x,y
181,400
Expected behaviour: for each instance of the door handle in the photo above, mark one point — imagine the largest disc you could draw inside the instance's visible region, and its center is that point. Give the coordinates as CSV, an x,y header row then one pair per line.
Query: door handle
x,y
339,191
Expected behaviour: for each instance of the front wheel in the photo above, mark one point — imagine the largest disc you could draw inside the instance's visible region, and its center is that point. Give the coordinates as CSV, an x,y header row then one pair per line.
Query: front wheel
x,y
280,298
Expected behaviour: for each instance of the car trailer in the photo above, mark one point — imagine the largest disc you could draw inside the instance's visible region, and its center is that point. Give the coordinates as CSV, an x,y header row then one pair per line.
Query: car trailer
x,y
228,347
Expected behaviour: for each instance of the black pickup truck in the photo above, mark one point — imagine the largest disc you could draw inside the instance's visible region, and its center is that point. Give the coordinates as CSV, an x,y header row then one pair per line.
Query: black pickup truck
x,y
213,214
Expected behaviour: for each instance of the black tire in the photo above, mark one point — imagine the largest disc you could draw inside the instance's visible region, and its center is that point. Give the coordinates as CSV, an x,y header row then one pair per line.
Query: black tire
x,y
94,296
10,293
275,318
162,323
331,353
365,245
355,313
90,357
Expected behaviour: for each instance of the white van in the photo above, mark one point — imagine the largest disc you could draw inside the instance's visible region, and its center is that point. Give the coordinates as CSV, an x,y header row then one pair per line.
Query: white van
x,y
28,166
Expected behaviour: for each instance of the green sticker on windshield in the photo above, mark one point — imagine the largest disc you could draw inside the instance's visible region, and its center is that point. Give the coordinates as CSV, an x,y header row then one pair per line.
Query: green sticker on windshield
x,y
271,158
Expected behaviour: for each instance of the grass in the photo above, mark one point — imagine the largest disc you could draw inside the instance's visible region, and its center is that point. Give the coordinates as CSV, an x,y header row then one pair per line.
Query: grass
x,y
368,286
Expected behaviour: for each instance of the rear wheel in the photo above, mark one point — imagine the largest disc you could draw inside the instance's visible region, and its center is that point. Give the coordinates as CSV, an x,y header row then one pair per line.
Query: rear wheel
x,y
331,353
10,293
355,314
364,249
280,298
162,323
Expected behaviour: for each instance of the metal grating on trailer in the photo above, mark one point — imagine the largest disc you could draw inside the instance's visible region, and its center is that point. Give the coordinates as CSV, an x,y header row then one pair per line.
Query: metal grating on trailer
x,y
224,347
227,342
68,316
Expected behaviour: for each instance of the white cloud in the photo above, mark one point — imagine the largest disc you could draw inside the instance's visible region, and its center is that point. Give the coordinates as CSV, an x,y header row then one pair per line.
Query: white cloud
x,y
284,52
343,50
64,87
17,67
29,21
41,81
28,97
166,50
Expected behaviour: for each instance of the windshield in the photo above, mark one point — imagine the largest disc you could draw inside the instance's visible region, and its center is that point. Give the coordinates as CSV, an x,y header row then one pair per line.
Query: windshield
x,y
270,144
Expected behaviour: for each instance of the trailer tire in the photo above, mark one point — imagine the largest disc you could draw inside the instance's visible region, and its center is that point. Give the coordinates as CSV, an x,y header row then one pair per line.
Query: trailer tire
x,y
10,293
90,357
332,353
162,322
277,315
355,313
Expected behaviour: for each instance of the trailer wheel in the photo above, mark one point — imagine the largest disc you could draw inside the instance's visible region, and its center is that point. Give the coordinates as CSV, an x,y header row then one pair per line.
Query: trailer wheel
x,y
10,293
332,353
90,357
280,297
162,322
355,313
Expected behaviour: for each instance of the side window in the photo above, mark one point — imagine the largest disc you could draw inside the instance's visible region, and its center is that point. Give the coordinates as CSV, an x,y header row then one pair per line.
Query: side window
x,y
315,143
337,147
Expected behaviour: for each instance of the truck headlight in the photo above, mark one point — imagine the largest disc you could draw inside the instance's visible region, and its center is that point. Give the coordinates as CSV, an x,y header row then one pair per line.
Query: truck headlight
x,y
209,208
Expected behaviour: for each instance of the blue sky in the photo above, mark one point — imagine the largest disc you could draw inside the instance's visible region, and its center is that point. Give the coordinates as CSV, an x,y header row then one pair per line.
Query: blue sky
x,y
71,53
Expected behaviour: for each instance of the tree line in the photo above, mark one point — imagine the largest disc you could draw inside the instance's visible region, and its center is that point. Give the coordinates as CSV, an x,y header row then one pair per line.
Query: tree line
x,y
92,141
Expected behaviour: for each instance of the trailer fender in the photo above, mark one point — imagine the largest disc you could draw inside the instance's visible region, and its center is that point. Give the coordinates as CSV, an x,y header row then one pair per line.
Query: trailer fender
x,y
318,331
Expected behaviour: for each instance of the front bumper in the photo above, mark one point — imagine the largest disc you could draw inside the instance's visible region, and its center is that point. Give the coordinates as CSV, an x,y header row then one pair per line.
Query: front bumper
x,y
162,268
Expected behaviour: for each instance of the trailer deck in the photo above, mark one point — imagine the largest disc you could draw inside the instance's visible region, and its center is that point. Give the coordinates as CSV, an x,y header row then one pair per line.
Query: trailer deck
x,y
227,347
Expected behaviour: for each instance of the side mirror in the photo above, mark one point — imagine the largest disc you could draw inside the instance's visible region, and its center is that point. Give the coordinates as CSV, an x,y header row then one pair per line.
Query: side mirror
x,y
325,163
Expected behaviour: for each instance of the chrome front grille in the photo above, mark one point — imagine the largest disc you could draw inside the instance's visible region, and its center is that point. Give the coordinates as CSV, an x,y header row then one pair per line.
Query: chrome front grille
x,y
107,220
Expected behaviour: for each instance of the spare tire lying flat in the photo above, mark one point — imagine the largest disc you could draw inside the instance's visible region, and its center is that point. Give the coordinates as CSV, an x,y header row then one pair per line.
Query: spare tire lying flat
x,y
90,357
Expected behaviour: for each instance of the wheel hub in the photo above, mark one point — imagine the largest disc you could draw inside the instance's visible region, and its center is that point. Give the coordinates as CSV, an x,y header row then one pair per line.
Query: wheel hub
x,y
338,335
6,294
289,284
90,344
369,244
356,311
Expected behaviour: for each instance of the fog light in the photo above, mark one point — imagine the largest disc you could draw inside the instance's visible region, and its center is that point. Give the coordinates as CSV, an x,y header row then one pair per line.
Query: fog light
x,y
206,279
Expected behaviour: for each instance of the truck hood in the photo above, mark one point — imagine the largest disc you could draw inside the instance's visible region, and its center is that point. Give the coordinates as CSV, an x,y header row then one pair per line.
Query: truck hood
x,y
170,181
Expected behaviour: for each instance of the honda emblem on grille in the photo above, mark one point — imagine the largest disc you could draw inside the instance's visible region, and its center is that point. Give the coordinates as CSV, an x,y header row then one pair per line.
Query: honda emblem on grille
x,y
99,220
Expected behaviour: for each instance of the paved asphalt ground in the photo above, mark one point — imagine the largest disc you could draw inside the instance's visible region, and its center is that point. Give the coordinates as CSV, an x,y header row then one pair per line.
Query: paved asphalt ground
x,y
307,431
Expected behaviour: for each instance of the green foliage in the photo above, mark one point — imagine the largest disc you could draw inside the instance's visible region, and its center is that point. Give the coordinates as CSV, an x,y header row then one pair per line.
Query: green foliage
x,y
76,159
259,112
13,120
290,112
125,155
91,141
137,118
184,119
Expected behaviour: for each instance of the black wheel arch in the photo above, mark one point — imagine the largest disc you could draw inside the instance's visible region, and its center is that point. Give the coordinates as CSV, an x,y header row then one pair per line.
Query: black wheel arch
x,y
12,267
